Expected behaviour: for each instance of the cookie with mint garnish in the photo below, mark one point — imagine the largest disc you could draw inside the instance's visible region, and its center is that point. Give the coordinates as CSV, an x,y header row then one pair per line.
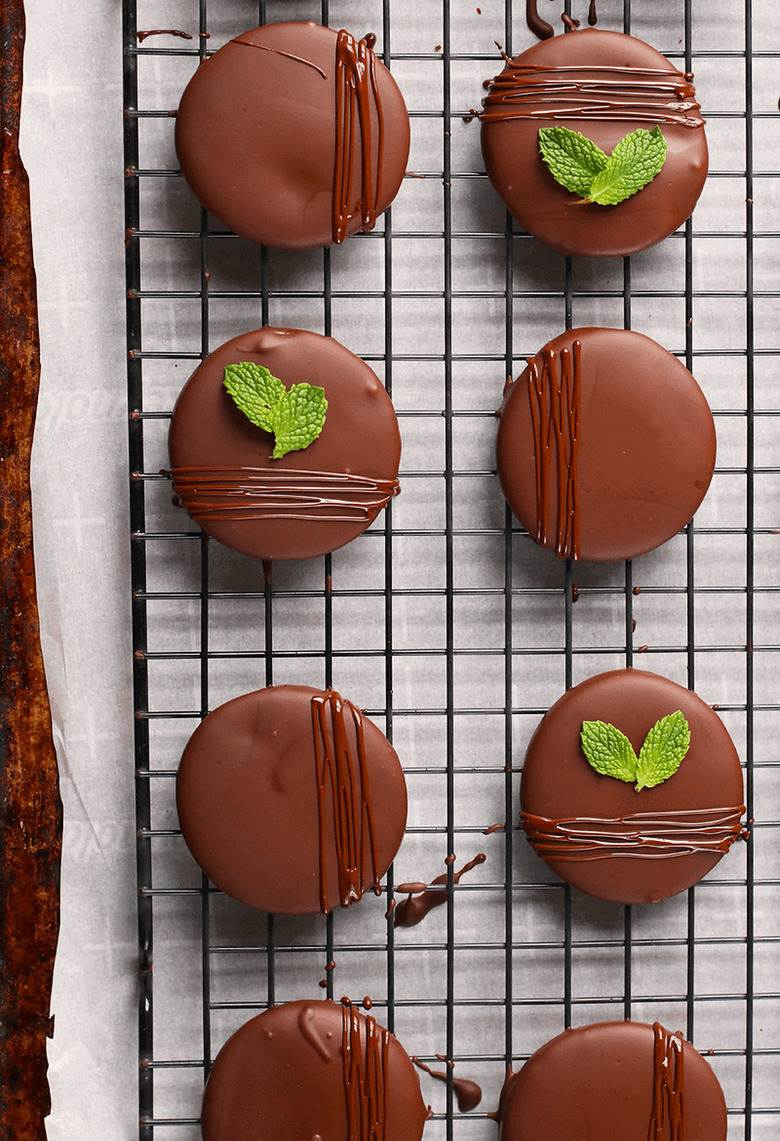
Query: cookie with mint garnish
x,y
618,1081
284,445
606,445
632,788
595,142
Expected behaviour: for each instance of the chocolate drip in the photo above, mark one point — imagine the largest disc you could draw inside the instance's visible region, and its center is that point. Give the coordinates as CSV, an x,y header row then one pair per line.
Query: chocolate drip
x,y
356,90
278,51
555,416
350,797
414,908
225,493
467,1093
365,1076
592,17
667,1122
598,93
639,835
163,32
538,26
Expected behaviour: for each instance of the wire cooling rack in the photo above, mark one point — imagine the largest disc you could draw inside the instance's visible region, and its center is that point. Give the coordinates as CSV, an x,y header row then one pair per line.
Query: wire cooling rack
x,y
445,621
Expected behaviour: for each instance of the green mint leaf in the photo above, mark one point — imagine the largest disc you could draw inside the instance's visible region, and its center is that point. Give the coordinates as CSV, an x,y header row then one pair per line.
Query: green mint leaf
x,y
294,417
663,750
255,391
634,162
574,160
608,750
299,419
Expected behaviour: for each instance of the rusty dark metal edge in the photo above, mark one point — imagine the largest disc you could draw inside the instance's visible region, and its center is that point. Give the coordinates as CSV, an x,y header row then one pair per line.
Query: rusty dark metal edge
x,y
30,806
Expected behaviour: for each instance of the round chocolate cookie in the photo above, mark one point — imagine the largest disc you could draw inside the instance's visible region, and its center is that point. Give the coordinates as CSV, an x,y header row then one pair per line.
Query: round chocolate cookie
x,y
312,1070
294,135
291,800
603,85
606,445
618,1081
310,501
596,831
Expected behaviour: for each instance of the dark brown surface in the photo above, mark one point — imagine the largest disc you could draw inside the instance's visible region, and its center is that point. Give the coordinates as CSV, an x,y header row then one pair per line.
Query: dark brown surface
x,y
646,445
256,136
248,803
360,436
597,1082
282,1076
558,782
553,214
30,810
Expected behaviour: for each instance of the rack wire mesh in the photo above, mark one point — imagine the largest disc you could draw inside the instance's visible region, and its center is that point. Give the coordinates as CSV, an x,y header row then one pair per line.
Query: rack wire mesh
x,y
445,622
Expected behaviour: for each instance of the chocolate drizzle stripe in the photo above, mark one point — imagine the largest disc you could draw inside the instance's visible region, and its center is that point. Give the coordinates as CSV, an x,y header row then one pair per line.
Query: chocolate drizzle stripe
x,y
356,91
647,95
365,1070
278,51
223,493
667,1122
343,793
640,835
555,399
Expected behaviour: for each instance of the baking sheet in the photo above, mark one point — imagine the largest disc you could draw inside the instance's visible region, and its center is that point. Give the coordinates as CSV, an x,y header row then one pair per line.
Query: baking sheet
x,y
72,147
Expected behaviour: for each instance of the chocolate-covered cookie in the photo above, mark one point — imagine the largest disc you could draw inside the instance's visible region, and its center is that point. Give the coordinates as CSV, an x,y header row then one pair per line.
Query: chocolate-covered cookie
x,y
618,1081
294,135
606,445
309,501
603,85
312,1070
291,800
592,812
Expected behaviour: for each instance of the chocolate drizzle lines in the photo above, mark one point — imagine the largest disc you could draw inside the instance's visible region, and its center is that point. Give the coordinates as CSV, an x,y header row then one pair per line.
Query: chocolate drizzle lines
x,y
667,1122
554,396
612,94
224,493
365,1076
277,51
343,794
639,835
356,91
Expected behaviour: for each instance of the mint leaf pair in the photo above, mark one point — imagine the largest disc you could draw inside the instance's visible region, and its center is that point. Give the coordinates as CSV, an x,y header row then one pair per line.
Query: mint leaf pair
x,y
294,416
582,167
611,753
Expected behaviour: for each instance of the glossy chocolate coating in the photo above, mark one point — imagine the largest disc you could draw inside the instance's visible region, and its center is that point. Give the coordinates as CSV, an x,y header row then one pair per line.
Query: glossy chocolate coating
x,y
559,783
257,136
510,147
247,796
360,438
646,447
597,1081
282,1075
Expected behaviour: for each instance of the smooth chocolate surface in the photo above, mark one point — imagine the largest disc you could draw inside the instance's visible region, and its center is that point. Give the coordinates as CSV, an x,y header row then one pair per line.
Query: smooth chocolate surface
x,y
293,135
313,1070
615,1081
308,502
604,85
605,450
290,800
598,833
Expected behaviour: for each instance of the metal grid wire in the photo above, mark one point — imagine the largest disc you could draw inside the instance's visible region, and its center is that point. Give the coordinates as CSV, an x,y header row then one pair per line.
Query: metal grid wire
x,y
445,621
